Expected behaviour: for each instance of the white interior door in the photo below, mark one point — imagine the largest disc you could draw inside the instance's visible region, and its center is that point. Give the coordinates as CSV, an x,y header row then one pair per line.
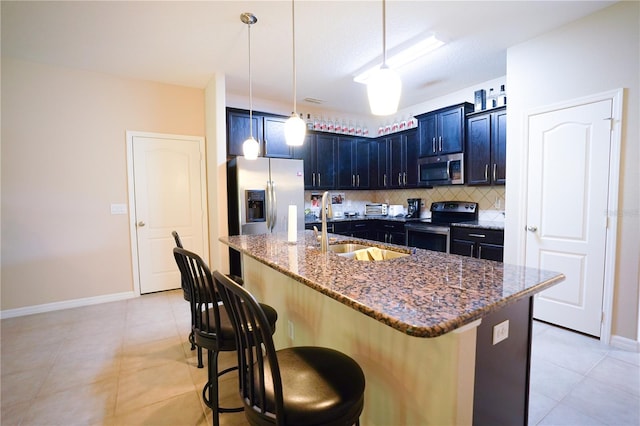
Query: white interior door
x,y
168,187
567,211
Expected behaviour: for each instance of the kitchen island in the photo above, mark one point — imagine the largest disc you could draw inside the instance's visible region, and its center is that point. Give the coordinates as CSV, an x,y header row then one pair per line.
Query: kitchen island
x,y
411,322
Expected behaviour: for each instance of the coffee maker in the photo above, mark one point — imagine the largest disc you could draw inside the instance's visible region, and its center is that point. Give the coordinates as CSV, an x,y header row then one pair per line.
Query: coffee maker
x,y
413,207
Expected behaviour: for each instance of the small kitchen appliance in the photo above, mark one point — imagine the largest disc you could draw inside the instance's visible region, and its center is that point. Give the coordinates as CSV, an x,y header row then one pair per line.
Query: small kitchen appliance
x,y
395,210
433,234
441,170
375,209
413,207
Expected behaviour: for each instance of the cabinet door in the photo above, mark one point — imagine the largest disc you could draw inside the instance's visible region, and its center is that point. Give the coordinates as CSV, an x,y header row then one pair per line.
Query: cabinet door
x,y
411,159
382,169
238,130
361,157
428,135
462,247
477,156
326,162
360,229
306,153
450,131
275,143
499,147
346,174
490,251
396,161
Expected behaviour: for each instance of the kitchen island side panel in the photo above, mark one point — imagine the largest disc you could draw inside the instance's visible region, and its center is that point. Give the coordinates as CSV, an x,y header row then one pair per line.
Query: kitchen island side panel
x,y
409,380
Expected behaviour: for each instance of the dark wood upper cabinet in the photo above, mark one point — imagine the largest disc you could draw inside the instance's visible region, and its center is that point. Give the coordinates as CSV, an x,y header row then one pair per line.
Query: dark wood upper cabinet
x,y
485,154
354,163
268,130
443,131
319,153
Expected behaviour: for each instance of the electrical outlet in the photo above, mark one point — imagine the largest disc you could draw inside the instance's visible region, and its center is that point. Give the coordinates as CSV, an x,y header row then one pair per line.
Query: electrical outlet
x,y
500,332
291,330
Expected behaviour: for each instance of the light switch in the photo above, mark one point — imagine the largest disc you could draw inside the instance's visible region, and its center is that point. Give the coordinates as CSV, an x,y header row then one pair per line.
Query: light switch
x,y
118,209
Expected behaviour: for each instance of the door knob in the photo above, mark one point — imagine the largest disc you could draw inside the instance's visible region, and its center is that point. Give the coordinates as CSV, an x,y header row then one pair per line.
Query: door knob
x,y
141,224
532,228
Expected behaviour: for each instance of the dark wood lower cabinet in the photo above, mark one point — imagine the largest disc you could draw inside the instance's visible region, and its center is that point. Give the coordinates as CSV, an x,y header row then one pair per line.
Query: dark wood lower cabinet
x,y
478,242
502,376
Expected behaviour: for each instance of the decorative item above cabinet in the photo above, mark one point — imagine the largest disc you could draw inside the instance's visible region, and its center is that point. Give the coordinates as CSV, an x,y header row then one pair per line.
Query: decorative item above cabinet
x,y
443,131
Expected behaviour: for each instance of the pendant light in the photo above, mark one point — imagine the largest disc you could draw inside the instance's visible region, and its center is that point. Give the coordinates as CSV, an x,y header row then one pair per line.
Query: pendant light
x,y
384,86
295,128
250,147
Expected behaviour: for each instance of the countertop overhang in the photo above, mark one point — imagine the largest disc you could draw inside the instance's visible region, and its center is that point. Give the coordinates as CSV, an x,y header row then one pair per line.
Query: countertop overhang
x,y
425,294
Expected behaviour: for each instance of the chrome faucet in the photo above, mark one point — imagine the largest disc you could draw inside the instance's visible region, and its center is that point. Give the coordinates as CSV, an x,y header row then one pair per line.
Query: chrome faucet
x,y
324,239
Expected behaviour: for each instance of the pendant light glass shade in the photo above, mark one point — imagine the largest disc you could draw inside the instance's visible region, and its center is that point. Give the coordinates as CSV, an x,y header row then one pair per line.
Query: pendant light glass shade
x,y
383,90
295,128
250,148
384,86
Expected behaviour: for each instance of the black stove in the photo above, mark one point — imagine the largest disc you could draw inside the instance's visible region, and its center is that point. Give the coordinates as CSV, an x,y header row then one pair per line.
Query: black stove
x,y
433,234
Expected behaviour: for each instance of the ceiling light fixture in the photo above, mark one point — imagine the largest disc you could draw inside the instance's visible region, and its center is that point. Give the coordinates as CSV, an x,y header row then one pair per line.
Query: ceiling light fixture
x,y
250,147
404,57
295,128
384,85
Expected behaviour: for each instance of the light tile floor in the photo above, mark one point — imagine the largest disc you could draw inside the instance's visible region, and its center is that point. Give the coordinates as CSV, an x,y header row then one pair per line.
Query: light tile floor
x,y
129,363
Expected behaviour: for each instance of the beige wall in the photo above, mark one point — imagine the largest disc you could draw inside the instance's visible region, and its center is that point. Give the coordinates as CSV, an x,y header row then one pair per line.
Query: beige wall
x,y
63,164
596,54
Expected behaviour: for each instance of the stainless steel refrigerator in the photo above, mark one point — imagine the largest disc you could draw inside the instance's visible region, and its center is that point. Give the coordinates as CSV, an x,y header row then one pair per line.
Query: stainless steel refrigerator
x,y
259,194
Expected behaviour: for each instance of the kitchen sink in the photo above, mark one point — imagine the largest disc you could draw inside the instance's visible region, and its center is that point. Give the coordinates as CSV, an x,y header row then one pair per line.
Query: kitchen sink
x,y
365,253
347,247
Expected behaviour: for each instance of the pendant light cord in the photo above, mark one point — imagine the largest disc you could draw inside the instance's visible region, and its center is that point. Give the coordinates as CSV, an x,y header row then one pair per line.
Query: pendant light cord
x,y
250,88
293,29
384,34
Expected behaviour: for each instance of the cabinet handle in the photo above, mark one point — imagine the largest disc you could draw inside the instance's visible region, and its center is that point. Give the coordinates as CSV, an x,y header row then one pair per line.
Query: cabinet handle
x,y
404,178
440,143
478,235
353,180
313,179
399,179
319,183
358,181
433,144
384,180
486,172
480,252
471,251
495,166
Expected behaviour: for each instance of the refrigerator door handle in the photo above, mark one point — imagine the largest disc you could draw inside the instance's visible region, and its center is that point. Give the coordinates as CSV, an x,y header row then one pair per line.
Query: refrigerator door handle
x,y
268,209
274,205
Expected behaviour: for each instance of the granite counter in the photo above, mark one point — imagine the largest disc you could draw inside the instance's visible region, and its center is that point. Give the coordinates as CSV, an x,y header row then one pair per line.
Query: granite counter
x,y
425,294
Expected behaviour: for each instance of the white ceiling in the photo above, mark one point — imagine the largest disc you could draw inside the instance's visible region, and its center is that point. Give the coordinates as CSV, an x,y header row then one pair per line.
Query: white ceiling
x,y
184,43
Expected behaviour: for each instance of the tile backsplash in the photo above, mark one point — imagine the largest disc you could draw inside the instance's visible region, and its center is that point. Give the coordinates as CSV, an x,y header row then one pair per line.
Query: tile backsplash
x,y
489,198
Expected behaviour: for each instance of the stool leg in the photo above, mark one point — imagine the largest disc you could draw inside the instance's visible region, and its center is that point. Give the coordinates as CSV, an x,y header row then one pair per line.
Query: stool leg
x,y
211,388
200,365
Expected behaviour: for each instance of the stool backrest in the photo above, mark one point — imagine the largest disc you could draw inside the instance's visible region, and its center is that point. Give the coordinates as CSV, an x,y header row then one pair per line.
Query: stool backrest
x,y
258,369
198,279
177,238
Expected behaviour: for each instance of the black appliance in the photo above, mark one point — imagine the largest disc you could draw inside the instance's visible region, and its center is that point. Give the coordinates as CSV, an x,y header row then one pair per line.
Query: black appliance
x,y
441,170
434,234
413,207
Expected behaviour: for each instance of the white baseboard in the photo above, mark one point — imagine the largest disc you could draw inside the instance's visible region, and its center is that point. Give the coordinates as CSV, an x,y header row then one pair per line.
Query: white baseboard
x,y
66,304
625,344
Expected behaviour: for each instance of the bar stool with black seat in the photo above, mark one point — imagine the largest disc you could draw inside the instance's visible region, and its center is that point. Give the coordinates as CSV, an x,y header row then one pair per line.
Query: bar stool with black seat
x,y
302,385
187,297
213,330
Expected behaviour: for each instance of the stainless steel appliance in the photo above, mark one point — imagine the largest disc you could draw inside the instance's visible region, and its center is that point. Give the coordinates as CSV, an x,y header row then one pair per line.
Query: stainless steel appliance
x,y
375,209
434,234
259,193
441,170
413,207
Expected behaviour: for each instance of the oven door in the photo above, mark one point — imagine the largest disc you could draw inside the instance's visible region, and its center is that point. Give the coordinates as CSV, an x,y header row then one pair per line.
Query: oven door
x,y
428,237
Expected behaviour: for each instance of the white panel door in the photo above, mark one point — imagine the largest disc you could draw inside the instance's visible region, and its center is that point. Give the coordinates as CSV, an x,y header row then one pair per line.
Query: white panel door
x,y
567,211
168,184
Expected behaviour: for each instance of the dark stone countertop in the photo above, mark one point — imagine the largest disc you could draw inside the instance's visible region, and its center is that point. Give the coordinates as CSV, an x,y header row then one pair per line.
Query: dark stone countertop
x,y
481,224
359,218
426,294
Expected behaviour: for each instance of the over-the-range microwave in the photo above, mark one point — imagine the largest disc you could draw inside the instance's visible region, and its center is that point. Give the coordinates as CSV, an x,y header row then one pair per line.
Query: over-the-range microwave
x,y
441,170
